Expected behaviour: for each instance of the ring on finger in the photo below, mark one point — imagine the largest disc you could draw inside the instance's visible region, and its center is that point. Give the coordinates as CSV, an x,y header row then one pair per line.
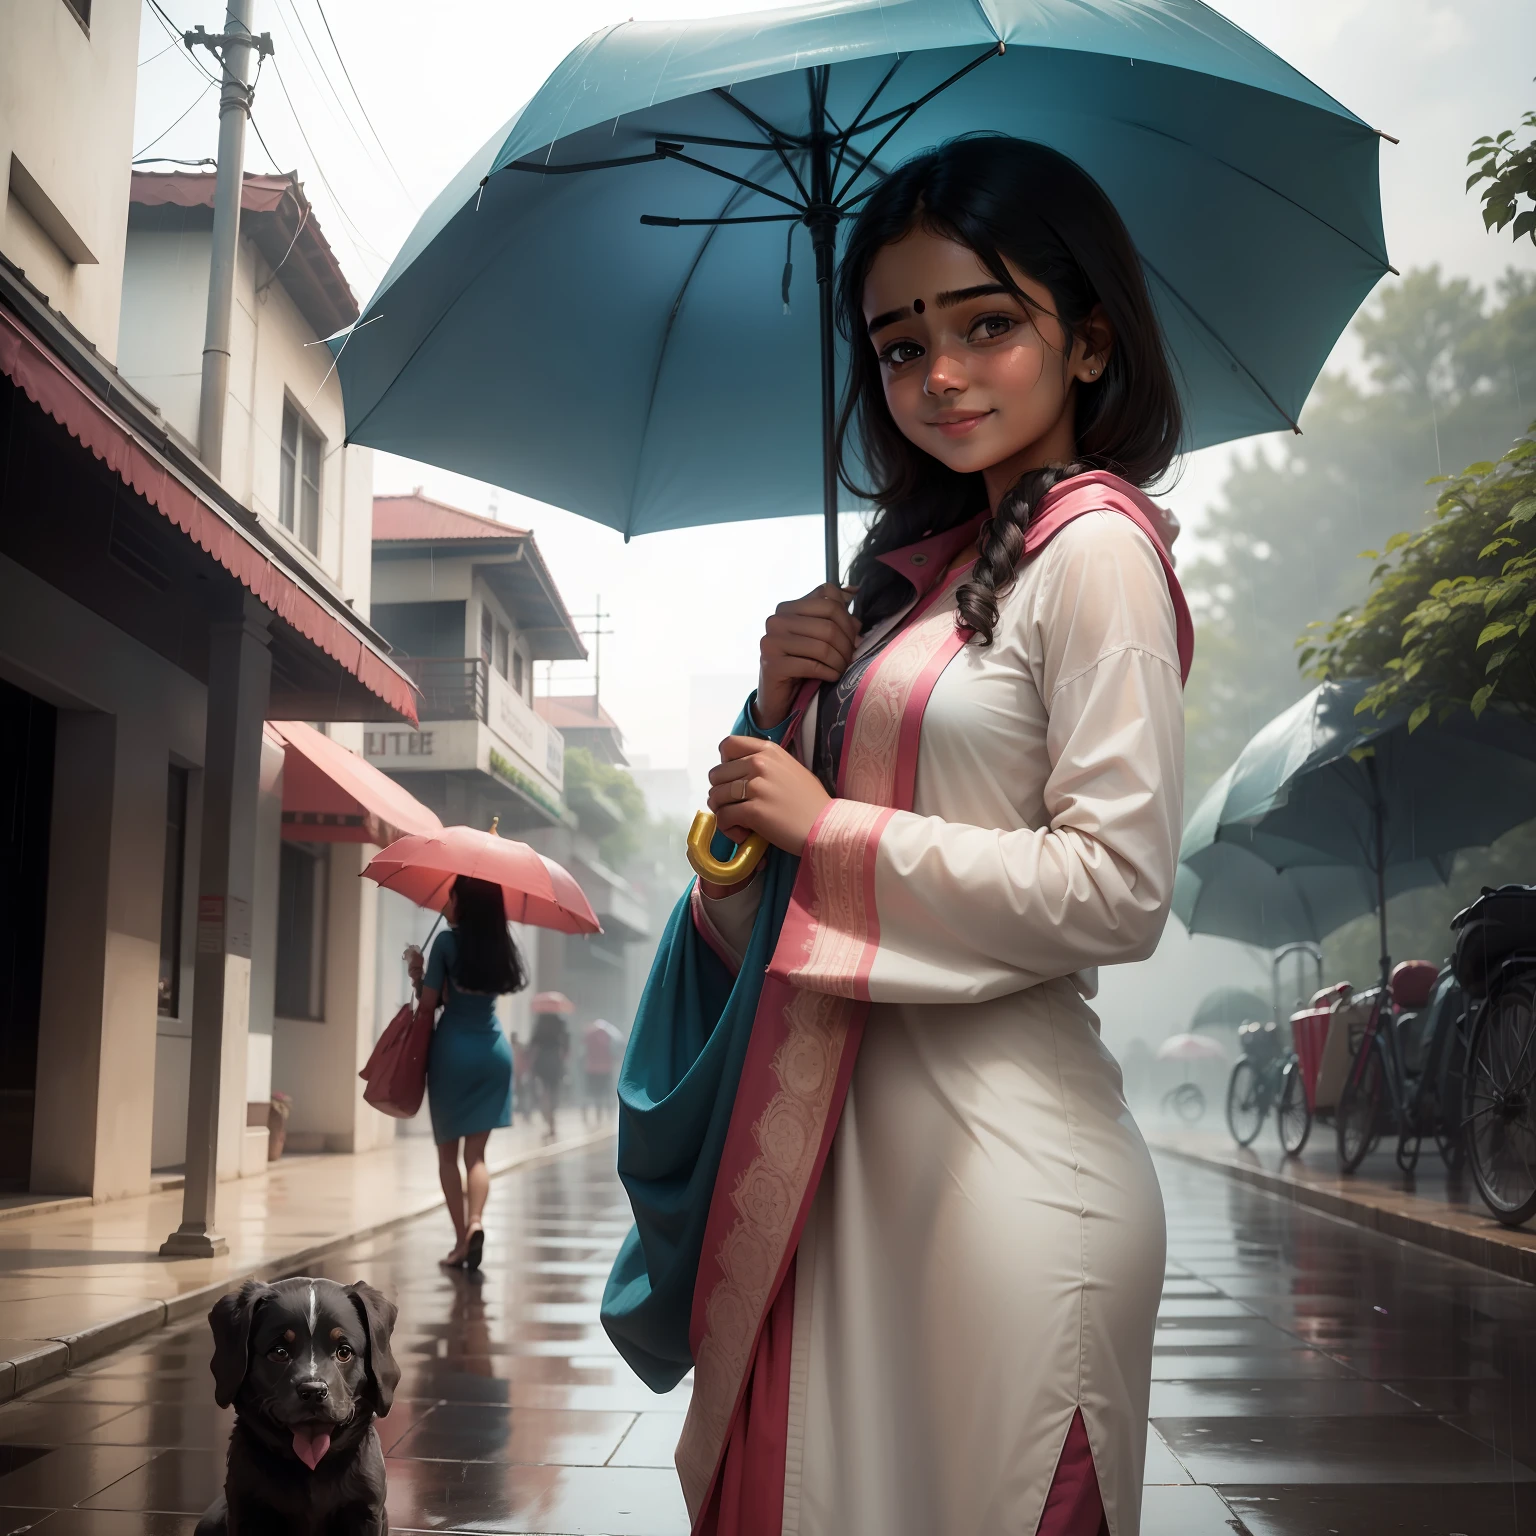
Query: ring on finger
x,y
741,790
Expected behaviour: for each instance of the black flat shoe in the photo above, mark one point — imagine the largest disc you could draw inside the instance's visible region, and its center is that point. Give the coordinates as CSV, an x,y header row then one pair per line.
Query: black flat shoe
x,y
475,1250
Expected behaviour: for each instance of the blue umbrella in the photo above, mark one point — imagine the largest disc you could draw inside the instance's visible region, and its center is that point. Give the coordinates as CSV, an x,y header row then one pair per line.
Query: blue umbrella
x,y
1236,883
534,332
1323,786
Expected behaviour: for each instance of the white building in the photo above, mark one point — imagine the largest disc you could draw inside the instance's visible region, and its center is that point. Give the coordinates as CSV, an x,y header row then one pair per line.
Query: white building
x,y
153,617
315,924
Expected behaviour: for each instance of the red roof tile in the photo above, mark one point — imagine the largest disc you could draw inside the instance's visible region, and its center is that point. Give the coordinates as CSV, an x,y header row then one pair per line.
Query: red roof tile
x,y
575,712
416,517
280,220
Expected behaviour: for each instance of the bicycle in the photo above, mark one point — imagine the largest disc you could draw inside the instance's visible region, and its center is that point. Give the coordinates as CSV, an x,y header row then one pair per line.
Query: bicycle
x,y
1495,961
1186,1100
1257,1081
1404,1075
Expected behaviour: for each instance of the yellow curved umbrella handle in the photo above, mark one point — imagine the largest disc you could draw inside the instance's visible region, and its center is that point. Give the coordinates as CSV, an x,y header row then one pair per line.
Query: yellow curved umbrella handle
x,y
729,871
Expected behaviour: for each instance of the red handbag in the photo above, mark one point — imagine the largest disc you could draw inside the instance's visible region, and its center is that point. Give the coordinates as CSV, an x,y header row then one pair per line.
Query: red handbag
x,y
396,1072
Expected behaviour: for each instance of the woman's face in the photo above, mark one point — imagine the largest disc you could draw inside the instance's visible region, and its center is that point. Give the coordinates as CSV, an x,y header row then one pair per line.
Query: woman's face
x,y
973,376
451,909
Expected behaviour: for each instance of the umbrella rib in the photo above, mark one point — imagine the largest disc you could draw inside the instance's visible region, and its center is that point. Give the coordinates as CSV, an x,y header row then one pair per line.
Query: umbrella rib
x,y
666,339
847,134
1237,170
665,221
1220,340
903,115
741,181
775,137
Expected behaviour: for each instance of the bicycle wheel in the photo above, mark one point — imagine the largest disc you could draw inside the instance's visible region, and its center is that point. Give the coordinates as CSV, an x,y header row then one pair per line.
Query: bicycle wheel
x,y
1188,1102
1361,1106
1293,1115
1247,1103
1500,1103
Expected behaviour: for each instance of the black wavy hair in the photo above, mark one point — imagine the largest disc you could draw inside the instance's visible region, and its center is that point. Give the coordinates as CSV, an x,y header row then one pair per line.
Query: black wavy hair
x,y
1010,201
488,961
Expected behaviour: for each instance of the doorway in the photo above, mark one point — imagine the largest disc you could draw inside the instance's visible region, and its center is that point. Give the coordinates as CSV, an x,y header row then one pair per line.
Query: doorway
x,y
27,728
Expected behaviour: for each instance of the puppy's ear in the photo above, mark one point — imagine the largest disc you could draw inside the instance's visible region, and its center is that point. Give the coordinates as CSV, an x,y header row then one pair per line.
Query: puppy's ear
x,y
230,1319
378,1313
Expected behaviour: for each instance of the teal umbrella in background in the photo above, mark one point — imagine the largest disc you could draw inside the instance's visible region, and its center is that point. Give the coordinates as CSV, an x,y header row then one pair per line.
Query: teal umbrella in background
x,y
1270,892
622,304
1323,793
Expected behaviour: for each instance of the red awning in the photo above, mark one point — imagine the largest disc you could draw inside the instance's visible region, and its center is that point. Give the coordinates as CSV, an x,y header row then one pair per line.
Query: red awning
x,y
54,388
331,795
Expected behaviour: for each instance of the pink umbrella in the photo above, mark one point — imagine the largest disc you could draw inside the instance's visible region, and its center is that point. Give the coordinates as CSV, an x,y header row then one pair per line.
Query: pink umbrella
x,y
1191,1048
536,890
551,1002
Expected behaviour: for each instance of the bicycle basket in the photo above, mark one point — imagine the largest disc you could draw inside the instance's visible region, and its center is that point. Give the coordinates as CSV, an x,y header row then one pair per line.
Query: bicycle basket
x,y
1260,1043
1490,930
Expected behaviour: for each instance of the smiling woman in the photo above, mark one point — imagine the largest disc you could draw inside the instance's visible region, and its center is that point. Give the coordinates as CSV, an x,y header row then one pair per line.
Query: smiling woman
x,y
1032,345
928,1275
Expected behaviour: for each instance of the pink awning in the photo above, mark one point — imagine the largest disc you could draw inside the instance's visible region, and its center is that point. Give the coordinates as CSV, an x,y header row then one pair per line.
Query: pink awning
x,y
54,388
331,795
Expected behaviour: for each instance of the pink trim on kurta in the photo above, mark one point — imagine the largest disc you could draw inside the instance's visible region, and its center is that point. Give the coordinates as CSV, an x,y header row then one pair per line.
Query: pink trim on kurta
x,y
804,1042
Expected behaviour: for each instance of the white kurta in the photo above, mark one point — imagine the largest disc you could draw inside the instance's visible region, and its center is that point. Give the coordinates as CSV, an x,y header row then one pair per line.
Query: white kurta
x,y
985,1253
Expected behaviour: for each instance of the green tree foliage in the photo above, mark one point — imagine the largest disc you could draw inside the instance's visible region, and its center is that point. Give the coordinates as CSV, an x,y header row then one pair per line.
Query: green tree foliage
x,y
1448,621
1510,172
1448,376
608,803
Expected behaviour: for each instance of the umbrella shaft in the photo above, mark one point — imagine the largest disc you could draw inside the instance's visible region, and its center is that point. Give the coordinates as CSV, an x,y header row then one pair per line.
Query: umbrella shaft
x,y
821,219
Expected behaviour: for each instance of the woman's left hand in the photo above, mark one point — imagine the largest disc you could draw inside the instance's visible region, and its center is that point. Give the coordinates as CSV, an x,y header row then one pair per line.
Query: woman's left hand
x,y
759,787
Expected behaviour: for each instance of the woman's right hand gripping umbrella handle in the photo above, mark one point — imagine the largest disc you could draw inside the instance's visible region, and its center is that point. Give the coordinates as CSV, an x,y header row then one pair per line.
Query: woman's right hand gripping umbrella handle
x,y
811,638
731,871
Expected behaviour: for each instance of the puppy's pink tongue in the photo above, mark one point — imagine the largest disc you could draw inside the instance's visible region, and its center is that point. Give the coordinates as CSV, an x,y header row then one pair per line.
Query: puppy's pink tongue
x,y
309,1445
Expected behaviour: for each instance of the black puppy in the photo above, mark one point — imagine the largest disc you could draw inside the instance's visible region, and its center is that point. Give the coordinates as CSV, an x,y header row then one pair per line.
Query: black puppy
x,y
307,1365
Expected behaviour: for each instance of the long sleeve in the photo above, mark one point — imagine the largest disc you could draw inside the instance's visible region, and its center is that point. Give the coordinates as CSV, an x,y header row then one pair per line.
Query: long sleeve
x,y
957,912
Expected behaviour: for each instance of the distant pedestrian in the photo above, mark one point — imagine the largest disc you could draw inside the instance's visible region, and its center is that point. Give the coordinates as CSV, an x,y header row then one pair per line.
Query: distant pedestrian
x,y
600,1043
469,1065
550,1046
522,1077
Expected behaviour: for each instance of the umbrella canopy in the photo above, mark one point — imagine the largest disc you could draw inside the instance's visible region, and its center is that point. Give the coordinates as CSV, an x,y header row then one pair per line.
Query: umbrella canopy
x,y
1321,786
1229,1005
1269,891
536,890
676,373
1191,1048
551,1002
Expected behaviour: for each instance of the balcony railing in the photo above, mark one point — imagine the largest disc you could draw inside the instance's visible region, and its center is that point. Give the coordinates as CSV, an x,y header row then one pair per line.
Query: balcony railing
x,y
452,687
465,688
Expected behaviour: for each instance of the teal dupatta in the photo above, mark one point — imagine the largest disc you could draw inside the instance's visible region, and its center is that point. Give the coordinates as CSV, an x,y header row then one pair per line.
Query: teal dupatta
x,y
677,1090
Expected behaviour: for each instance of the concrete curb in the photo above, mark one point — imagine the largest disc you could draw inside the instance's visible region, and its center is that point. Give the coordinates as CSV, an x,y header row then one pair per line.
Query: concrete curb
x,y
29,1363
1494,1250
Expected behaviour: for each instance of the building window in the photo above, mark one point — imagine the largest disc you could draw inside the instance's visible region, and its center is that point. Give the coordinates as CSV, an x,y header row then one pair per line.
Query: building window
x,y
503,647
487,635
172,892
301,902
517,672
298,506
82,12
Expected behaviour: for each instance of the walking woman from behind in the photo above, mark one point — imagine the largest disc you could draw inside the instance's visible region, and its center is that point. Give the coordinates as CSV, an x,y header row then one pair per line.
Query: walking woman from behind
x,y
469,1065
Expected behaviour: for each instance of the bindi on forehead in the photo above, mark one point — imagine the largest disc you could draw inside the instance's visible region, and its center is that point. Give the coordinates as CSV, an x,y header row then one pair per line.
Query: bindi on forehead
x,y
918,306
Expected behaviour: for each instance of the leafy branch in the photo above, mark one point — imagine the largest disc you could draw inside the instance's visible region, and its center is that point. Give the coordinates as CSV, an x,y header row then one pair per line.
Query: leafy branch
x,y
1510,172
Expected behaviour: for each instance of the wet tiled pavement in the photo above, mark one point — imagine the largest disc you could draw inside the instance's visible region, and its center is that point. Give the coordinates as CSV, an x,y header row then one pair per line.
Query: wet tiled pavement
x,y
1311,1379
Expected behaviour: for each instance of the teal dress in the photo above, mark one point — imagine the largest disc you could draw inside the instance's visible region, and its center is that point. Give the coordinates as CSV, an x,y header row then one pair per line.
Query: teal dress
x,y
469,1065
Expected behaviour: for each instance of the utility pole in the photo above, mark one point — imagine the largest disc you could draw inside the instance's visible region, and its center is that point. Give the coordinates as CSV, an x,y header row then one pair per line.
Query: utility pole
x,y
597,617
233,48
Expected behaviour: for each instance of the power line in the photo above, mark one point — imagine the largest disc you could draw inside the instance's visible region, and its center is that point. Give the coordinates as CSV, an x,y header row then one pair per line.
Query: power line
x,y
319,170
178,37
359,100
330,84
151,59
196,102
